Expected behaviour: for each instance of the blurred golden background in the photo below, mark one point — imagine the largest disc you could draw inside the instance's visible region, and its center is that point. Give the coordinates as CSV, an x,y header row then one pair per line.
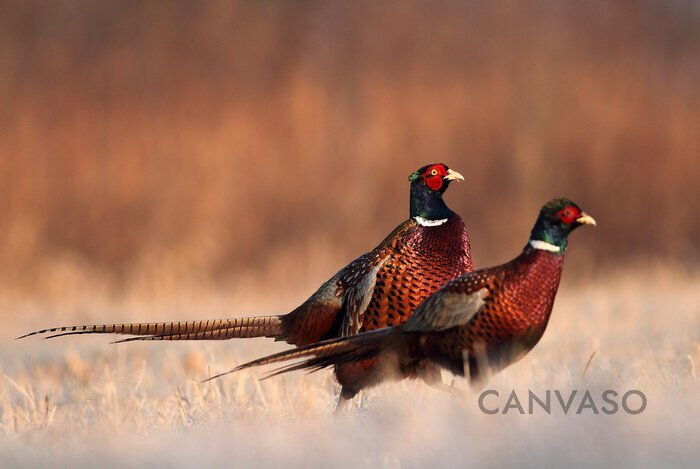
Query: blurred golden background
x,y
212,141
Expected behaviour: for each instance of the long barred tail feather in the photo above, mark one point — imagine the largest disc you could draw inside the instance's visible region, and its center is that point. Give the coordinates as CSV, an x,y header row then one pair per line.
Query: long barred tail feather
x,y
211,329
326,353
271,327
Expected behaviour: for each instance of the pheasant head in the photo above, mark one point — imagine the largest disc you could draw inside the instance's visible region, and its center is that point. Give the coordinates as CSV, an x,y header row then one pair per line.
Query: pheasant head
x,y
557,219
427,186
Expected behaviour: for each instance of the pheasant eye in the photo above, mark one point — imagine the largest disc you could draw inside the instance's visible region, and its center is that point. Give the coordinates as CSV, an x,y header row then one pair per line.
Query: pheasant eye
x,y
431,179
568,214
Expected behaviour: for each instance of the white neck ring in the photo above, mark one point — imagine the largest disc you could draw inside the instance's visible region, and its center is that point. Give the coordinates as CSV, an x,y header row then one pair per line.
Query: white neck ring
x,y
544,245
423,222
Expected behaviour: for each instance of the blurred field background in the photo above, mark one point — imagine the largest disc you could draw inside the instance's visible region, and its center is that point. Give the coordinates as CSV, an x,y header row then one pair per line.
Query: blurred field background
x,y
176,160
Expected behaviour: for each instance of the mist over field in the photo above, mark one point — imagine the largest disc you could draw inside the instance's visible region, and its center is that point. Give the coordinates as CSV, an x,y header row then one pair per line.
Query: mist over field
x,y
191,160
73,401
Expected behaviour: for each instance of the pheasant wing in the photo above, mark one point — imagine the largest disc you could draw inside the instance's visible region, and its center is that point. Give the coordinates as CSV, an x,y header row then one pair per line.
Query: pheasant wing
x,y
445,309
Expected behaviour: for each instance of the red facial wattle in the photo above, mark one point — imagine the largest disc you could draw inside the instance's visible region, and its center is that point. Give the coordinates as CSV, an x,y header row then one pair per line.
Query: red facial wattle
x,y
434,175
568,214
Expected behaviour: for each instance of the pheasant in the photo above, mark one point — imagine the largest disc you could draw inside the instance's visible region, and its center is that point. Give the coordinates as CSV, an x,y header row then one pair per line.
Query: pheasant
x,y
378,289
478,323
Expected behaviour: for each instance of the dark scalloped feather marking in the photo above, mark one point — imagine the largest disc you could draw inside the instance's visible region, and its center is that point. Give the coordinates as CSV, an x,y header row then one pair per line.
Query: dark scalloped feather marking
x,y
515,314
420,262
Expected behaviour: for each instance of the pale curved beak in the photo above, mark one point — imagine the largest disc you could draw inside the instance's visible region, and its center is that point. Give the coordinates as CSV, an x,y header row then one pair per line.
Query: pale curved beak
x,y
453,176
586,219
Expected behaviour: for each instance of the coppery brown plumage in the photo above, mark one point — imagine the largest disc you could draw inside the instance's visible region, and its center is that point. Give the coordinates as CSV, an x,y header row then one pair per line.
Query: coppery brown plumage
x,y
482,321
420,261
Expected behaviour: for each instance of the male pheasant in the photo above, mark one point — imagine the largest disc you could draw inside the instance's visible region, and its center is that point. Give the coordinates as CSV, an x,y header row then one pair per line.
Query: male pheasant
x,y
380,288
479,322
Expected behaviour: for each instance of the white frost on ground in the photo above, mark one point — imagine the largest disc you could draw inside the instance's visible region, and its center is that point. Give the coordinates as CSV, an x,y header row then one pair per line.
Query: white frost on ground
x,y
82,402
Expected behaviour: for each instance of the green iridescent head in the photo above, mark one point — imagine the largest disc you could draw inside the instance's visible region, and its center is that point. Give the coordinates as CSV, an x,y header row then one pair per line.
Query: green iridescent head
x,y
557,219
427,186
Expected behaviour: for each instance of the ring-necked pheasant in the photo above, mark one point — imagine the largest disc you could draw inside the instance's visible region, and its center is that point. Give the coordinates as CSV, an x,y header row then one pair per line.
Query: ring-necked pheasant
x,y
482,321
380,288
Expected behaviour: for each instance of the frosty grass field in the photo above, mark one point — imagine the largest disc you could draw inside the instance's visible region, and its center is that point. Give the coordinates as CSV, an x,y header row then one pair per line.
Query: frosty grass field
x,y
81,400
